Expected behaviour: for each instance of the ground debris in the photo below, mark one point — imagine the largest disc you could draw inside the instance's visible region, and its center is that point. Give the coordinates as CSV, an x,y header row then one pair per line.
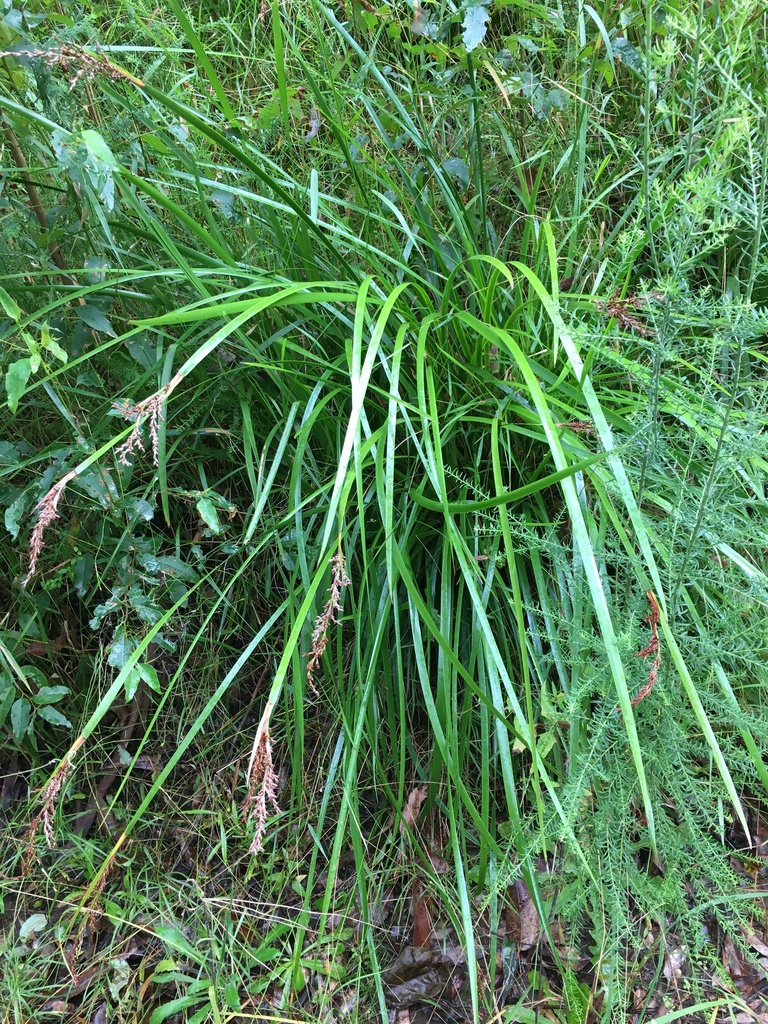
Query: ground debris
x,y
418,975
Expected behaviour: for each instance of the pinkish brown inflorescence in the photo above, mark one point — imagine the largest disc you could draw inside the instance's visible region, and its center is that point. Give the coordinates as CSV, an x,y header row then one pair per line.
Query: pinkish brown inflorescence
x,y
46,813
47,512
151,411
262,790
326,617
77,62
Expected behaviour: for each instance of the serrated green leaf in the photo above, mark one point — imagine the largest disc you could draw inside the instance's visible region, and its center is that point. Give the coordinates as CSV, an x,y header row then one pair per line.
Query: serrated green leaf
x,y
120,975
50,694
175,1006
475,26
208,514
165,974
625,52
99,485
176,939
36,675
121,649
149,675
49,714
144,605
202,1015
174,566
20,718
132,681
457,168
32,926
99,164
84,567
13,516
232,995
142,350
111,605
10,307
95,269
577,999
16,377
95,319
5,704
137,508
51,345
98,148
9,454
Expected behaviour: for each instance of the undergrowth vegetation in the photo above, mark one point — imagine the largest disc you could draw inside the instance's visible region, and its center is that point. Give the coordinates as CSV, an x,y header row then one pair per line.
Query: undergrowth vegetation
x,y
383,472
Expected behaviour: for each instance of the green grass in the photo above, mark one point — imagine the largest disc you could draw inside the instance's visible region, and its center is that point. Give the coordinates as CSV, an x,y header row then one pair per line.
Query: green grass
x,y
490,342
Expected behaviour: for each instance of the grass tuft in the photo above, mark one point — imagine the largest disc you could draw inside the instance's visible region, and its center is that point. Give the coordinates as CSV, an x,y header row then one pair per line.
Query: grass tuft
x,y
385,396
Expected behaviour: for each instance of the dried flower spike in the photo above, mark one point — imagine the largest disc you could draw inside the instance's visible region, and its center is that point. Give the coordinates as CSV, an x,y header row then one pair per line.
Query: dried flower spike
x,y
262,790
47,812
151,411
326,617
653,648
77,62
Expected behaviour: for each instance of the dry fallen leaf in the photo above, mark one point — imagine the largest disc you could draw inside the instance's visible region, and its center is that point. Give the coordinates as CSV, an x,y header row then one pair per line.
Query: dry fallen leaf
x,y
757,944
422,922
673,963
416,976
100,1016
439,864
413,807
731,958
523,925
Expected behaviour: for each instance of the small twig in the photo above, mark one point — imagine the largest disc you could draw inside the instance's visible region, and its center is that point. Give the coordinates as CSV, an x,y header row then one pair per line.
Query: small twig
x,y
35,203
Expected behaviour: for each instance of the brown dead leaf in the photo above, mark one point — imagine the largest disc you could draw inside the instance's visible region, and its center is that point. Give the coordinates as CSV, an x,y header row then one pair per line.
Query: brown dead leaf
x,y
413,807
422,922
752,1016
416,976
674,962
523,925
757,944
100,1016
731,958
36,649
439,864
